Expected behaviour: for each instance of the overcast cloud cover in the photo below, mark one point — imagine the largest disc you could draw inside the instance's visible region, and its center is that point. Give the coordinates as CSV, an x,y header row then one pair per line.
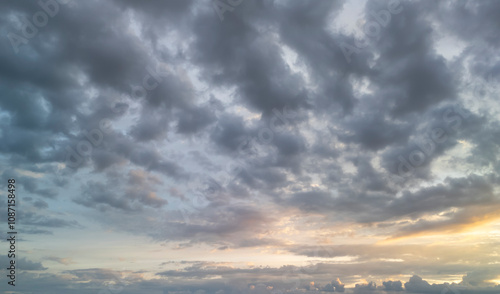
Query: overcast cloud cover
x,y
251,146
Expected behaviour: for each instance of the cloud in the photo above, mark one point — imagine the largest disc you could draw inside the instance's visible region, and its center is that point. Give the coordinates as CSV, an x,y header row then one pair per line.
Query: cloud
x,y
393,285
64,261
334,286
417,285
255,138
23,264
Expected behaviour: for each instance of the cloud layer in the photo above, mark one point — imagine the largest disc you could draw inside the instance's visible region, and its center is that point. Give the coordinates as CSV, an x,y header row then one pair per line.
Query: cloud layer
x,y
320,141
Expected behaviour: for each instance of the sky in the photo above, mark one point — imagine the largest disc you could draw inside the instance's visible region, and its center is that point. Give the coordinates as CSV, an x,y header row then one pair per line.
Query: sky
x,y
251,146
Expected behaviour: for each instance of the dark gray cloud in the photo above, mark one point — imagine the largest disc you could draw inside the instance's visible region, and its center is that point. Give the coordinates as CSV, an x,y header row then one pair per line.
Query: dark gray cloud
x,y
393,285
158,119
24,264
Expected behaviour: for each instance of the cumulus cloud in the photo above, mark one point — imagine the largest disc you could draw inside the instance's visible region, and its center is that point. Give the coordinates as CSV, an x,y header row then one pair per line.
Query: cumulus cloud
x,y
393,285
257,137
334,286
